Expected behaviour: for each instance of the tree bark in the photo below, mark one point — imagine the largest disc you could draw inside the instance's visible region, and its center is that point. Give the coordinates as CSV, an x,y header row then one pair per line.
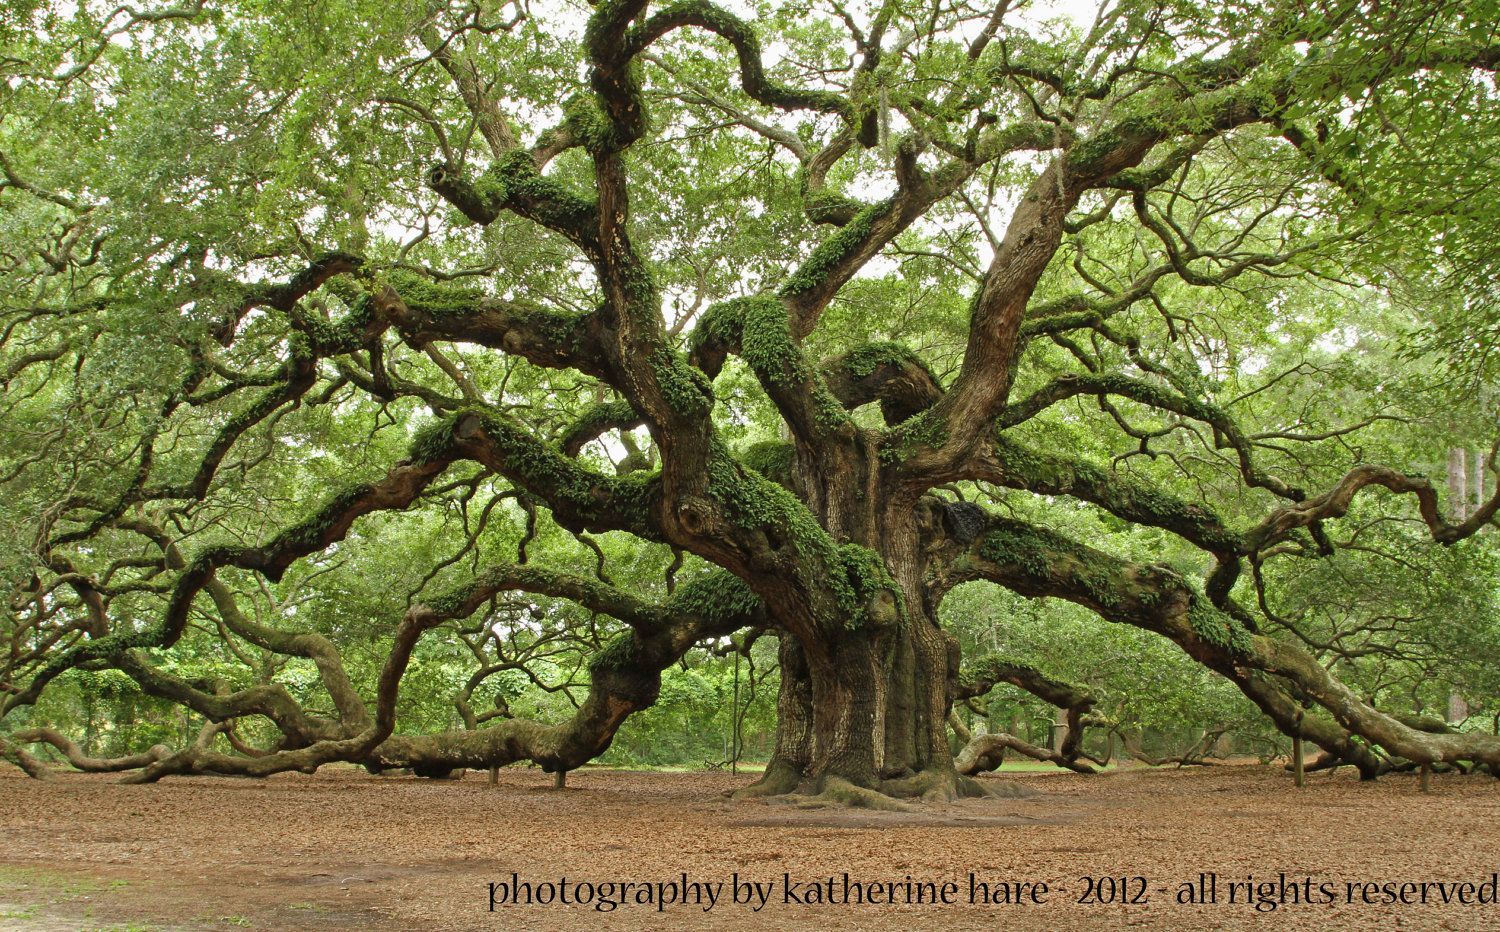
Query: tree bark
x,y
867,705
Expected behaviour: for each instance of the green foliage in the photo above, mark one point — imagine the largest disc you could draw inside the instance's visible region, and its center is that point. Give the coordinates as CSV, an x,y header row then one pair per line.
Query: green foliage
x,y
863,360
1217,628
834,250
718,596
772,459
1304,246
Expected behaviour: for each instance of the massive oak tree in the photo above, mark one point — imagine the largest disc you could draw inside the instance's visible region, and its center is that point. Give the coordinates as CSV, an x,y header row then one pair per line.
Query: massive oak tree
x,y
818,311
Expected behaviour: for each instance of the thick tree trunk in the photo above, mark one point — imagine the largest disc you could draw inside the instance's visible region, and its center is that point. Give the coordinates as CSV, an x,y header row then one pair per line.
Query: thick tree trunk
x,y
866,707
871,714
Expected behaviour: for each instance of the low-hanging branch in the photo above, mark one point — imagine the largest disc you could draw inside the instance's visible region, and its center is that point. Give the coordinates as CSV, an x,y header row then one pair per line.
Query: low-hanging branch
x,y
1039,563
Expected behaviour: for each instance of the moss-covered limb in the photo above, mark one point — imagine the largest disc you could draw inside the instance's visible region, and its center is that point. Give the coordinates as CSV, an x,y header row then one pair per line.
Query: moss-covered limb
x,y
982,674
597,419
614,77
741,35
514,182
463,600
1017,466
1335,503
769,348
579,498
673,396
1352,713
815,586
717,334
773,459
270,700
1040,563
283,296
819,203
424,312
890,373
717,601
759,331
81,761
1079,311
835,260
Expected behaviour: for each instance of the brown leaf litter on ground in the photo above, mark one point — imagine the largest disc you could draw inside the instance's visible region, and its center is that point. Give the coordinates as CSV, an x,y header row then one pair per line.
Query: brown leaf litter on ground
x,y
345,850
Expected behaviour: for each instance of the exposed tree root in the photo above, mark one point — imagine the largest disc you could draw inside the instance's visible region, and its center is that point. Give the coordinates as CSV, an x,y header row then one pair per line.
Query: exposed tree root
x,y
783,784
781,778
947,785
839,793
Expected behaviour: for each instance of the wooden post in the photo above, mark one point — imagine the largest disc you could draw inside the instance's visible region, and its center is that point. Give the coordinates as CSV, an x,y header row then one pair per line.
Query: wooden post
x,y
1298,772
734,719
560,780
1427,778
494,775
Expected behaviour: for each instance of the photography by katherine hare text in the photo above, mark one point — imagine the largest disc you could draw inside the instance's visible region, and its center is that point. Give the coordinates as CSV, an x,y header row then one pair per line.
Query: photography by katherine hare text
x,y
1262,893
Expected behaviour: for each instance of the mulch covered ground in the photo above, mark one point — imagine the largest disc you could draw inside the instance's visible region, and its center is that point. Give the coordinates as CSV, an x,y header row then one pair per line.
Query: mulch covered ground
x,y
344,850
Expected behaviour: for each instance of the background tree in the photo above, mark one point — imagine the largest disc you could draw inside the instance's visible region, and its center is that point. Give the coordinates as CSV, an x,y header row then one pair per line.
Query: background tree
x,y
328,331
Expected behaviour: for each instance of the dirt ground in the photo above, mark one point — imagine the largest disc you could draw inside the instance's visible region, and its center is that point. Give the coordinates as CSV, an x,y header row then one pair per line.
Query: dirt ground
x,y
344,850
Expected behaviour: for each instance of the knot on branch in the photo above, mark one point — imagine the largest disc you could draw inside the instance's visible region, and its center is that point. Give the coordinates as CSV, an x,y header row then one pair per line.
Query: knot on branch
x,y
693,516
964,521
469,426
